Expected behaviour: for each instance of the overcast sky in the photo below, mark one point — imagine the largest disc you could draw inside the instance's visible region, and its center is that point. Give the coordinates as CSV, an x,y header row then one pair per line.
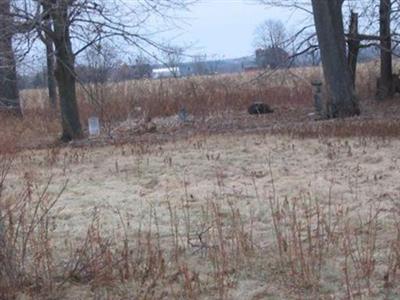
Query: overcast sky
x,y
217,28
225,28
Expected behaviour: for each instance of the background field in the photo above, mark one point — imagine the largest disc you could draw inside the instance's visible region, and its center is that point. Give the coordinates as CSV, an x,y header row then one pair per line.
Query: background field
x,y
225,206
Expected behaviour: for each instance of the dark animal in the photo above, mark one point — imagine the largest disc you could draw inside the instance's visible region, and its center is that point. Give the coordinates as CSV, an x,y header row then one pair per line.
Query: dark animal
x,y
258,108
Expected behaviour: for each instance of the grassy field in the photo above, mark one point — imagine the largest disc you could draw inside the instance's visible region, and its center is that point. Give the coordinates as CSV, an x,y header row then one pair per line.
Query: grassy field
x,y
220,217
227,206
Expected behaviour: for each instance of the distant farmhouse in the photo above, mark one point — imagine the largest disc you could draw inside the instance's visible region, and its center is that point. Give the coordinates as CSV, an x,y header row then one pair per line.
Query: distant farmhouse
x,y
271,57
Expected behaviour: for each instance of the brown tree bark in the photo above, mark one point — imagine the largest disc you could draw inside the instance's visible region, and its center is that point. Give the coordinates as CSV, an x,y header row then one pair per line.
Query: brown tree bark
x,y
353,43
65,72
51,80
328,20
48,42
9,96
385,82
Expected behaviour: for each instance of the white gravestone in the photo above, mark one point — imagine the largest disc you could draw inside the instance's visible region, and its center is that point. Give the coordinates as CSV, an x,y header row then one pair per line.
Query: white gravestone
x,y
94,126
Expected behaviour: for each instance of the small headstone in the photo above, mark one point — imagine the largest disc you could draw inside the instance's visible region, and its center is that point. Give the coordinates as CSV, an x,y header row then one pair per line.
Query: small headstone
x,y
258,108
319,105
322,105
183,115
94,126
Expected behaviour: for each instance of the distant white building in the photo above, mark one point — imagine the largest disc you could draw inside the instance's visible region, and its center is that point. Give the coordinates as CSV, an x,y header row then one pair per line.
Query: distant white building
x,y
165,72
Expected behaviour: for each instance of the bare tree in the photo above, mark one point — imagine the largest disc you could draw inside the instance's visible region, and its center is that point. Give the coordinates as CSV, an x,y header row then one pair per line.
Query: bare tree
x,y
385,86
271,41
382,40
173,57
271,34
79,24
200,65
50,55
328,20
142,67
9,96
65,66
353,46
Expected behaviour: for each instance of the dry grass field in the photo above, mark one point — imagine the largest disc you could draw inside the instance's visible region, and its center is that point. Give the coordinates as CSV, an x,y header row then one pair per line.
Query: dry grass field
x,y
226,206
221,217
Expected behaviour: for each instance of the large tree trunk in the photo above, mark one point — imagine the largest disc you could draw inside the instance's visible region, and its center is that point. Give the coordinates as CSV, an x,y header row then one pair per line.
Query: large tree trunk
x,y
385,84
330,32
9,96
65,73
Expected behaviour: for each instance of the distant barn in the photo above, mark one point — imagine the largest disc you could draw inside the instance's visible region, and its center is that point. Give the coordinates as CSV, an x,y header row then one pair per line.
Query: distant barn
x,y
166,72
271,57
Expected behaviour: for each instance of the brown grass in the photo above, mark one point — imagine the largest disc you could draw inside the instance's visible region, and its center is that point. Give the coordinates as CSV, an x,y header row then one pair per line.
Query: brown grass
x,y
306,247
205,247
218,103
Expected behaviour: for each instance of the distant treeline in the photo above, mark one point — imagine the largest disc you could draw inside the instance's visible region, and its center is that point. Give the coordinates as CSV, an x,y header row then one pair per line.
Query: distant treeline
x,y
122,72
